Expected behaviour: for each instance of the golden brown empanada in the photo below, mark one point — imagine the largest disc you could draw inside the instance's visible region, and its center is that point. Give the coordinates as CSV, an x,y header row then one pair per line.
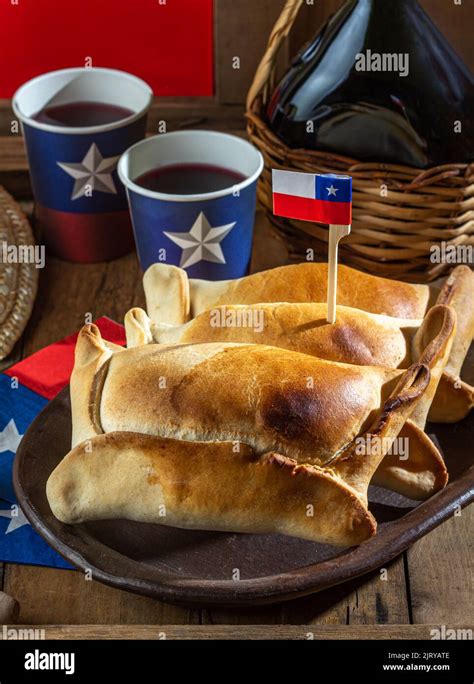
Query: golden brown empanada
x,y
242,437
387,340
173,299
234,437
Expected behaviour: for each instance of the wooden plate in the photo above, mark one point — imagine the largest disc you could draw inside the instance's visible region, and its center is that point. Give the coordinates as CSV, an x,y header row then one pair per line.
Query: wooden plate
x,y
215,568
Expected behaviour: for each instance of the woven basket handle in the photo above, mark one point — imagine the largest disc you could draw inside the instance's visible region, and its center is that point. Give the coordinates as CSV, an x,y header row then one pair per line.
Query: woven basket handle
x,y
279,32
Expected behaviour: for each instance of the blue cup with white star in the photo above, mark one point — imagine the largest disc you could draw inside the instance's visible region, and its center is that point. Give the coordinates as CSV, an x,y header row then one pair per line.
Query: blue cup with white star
x,y
208,233
76,124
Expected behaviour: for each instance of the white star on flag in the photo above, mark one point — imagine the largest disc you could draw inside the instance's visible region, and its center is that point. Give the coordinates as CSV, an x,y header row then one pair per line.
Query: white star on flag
x,y
10,437
332,190
202,242
94,171
17,518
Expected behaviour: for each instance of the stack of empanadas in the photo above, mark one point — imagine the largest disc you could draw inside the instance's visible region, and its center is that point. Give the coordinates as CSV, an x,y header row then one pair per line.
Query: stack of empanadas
x,y
237,407
173,299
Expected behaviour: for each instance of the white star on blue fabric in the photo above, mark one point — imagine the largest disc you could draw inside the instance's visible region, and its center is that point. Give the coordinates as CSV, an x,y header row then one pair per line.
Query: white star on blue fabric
x,y
94,172
10,438
332,190
17,518
202,242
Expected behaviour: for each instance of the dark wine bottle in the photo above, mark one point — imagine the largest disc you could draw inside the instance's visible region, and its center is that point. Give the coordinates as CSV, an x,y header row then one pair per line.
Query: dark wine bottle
x,y
379,82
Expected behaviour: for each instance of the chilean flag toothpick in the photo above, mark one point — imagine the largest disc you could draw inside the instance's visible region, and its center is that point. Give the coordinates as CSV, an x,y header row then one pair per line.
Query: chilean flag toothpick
x,y
322,198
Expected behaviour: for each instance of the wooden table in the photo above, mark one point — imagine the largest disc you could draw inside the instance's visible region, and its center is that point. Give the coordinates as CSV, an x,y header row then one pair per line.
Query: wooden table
x,y
429,585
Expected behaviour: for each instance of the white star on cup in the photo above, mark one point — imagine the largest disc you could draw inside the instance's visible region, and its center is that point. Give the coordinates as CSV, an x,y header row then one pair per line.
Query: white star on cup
x,y
332,190
201,243
93,172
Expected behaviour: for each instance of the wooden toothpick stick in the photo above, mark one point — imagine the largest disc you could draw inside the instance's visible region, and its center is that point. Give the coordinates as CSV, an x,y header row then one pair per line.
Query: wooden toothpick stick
x,y
335,234
320,197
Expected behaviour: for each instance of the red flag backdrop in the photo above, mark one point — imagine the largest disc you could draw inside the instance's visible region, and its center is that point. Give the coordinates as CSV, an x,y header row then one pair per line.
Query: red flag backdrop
x,y
169,45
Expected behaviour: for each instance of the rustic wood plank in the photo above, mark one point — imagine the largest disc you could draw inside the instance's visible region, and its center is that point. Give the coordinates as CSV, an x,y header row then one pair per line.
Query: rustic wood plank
x,y
192,112
455,21
441,571
273,632
382,599
17,183
13,357
325,608
48,595
12,154
367,600
70,291
241,33
268,249
263,615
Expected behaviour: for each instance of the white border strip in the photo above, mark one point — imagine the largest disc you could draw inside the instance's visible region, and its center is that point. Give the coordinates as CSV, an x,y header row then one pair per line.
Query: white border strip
x,y
294,183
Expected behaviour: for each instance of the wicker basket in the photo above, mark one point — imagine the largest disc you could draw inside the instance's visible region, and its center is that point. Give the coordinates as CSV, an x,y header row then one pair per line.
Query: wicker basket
x,y
399,212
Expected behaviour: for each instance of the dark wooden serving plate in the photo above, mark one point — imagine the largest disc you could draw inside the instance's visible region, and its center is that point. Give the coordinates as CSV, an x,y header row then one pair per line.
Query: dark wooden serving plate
x,y
198,568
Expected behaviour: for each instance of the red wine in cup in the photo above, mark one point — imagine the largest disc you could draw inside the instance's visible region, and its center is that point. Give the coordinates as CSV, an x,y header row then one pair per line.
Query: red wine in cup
x,y
78,114
189,179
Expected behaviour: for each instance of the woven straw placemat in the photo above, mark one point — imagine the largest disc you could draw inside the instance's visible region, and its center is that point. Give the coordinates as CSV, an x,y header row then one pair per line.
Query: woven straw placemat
x,y
18,279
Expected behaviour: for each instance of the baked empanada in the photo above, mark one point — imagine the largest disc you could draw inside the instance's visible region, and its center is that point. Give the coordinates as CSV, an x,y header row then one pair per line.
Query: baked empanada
x,y
416,478
173,299
247,438
357,337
